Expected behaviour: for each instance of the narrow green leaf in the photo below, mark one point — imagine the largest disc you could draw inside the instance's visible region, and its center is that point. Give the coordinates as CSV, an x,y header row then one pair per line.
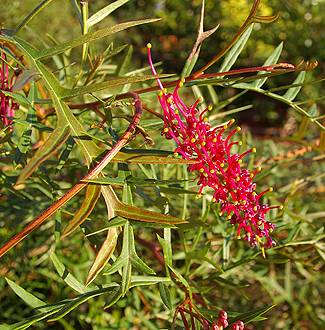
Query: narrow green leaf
x,y
76,8
28,298
21,99
180,277
104,254
54,141
272,59
165,295
91,36
125,62
291,93
91,197
104,12
82,299
135,213
139,280
253,315
108,84
66,276
138,158
235,51
32,14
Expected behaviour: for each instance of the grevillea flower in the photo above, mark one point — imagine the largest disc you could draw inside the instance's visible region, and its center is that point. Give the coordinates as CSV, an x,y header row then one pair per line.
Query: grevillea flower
x,y
217,166
7,104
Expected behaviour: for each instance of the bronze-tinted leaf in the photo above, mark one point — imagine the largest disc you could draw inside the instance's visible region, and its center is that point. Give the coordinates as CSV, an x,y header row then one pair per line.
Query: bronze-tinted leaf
x,y
88,204
104,254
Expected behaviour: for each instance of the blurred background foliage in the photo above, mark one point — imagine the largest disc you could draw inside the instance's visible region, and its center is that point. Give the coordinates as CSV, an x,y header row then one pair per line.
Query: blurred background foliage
x,y
300,27
290,277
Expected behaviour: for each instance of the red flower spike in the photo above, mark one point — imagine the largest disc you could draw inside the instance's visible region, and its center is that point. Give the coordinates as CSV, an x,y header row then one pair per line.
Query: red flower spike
x,y
217,167
7,104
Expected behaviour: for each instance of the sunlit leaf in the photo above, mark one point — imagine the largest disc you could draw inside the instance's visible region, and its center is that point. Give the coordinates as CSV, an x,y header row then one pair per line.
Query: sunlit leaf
x,y
104,12
91,36
66,276
28,298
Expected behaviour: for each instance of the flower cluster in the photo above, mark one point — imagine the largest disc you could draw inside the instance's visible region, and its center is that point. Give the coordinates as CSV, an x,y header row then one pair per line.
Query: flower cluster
x,y
217,166
7,104
222,322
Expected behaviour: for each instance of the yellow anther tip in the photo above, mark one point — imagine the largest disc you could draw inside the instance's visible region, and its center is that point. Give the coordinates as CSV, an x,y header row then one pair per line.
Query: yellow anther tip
x,y
193,140
211,171
254,150
238,128
240,143
201,170
281,207
175,154
205,119
198,196
165,129
149,45
271,189
222,165
210,107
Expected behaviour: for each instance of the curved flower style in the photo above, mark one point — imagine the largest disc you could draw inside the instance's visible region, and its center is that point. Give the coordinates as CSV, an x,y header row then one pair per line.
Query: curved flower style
x,y
7,104
217,167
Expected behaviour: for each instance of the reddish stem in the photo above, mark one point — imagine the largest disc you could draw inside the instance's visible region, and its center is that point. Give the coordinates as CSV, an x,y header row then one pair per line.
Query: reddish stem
x,y
79,186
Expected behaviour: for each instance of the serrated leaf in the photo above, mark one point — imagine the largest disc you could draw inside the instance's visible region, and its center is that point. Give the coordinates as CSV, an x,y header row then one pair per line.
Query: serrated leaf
x,y
272,59
104,12
104,254
91,36
53,142
28,298
66,276
91,197
235,51
292,92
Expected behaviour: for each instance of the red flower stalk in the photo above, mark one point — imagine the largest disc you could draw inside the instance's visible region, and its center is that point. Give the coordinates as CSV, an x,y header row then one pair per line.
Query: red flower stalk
x,y
7,104
217,166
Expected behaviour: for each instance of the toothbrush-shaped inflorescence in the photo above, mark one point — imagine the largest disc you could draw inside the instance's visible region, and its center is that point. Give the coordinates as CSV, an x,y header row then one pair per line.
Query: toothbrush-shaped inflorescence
x,y
217,166
7,104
